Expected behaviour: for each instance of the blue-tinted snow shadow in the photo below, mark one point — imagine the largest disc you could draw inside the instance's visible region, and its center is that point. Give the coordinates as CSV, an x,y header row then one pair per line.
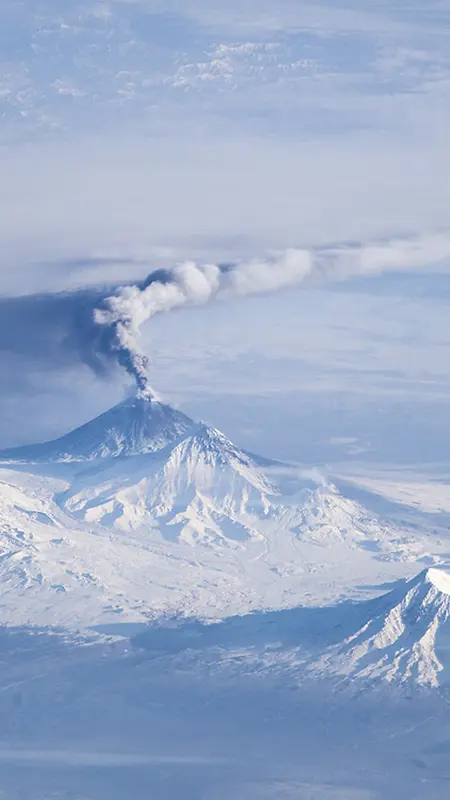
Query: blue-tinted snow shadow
x,y
100,722
310,628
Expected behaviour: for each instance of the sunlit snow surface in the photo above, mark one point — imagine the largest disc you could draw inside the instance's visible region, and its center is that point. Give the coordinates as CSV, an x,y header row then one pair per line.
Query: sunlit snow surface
x,y
202,622
154,513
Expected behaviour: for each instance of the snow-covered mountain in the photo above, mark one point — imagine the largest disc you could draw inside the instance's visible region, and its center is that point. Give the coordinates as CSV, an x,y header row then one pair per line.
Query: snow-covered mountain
x,y
146,468
199,486
403,637
140,424
144,511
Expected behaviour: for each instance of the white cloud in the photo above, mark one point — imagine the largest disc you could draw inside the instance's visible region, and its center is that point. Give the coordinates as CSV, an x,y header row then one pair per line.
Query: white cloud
x,y
356,65
223,126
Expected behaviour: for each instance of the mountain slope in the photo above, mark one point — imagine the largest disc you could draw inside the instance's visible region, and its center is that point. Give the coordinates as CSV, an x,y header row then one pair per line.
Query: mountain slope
x,y
137,425
404,638
201,487
401,638
158,514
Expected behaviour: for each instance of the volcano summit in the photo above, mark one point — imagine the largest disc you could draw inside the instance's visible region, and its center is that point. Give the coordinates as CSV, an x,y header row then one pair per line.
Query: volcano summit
x,y
140,424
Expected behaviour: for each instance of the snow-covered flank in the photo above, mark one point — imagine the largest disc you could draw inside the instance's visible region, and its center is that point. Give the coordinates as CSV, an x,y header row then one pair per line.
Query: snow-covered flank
x,y
137,425
203,489
143,512
200,488
405,638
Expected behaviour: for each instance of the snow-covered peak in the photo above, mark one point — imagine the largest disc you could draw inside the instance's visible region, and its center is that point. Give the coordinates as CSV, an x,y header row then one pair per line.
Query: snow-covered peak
x,y
439,578
138,425
200,485
422,599
213,443
405,636
211,446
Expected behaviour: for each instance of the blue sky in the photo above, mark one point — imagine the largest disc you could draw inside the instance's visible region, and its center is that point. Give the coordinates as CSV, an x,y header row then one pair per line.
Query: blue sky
x,y
136,133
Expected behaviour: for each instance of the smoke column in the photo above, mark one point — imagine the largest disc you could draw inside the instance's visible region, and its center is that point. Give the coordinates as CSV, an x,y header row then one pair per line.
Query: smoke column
x,y
99,327
121,315
124,312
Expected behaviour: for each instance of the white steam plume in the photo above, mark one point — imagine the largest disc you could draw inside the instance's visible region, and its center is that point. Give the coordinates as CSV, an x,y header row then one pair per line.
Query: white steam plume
x,y
190,283
126,311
